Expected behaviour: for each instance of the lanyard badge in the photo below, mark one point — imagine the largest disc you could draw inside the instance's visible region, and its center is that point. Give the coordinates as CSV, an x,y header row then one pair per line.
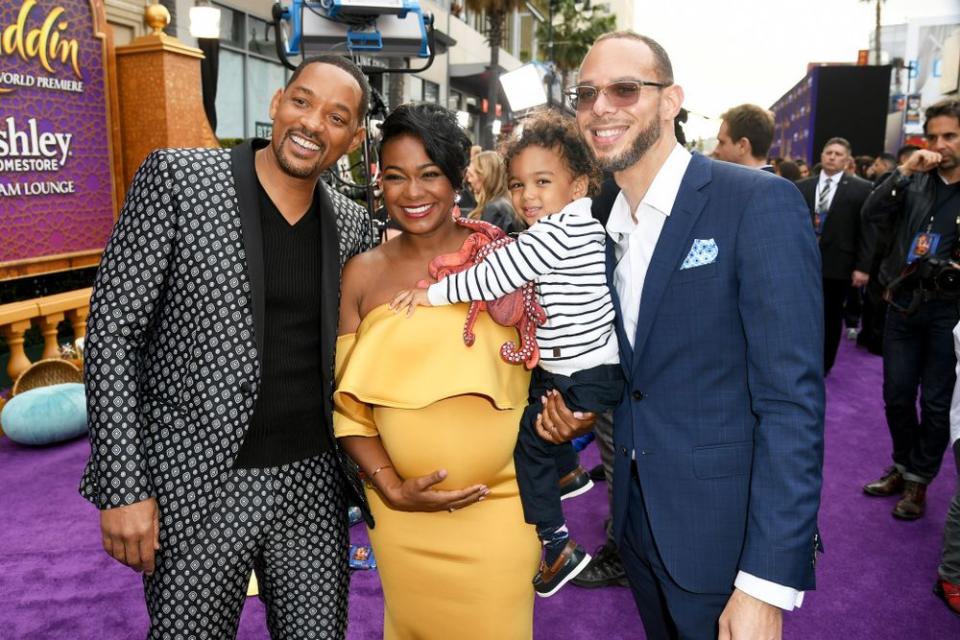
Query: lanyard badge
x,y
924,245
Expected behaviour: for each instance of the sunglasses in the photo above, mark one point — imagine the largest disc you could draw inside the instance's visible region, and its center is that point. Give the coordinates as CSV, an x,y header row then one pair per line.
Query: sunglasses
x,y
619,94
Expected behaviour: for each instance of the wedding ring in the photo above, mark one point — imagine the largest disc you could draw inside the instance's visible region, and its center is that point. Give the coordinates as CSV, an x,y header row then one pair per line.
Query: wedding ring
x,y
452,509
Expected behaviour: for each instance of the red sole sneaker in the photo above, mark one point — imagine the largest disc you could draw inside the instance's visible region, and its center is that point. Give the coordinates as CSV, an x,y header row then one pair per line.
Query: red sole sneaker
x,y
949,593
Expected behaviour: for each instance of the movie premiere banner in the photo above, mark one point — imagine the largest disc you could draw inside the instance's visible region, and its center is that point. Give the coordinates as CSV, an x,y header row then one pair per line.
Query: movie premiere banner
x,y
56,180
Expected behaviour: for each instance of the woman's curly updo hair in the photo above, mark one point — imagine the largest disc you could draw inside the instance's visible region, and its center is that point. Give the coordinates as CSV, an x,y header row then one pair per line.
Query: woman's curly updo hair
x,y
551,130
444,141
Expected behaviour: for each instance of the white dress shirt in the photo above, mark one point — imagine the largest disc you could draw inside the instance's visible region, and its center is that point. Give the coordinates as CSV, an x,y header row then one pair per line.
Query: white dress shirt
x,y
635,236
821,183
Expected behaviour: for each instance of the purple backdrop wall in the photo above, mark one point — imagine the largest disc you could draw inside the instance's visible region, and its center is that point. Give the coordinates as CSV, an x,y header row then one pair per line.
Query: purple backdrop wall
x,y
793,112
56,189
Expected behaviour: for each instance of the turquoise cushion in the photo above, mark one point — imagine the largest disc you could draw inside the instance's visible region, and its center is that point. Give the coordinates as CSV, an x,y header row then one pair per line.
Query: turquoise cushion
x,y
46,414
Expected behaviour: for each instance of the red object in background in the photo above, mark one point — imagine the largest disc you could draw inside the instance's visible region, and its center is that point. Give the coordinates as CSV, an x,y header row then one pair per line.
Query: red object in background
x,y
483,107
915,139
863,57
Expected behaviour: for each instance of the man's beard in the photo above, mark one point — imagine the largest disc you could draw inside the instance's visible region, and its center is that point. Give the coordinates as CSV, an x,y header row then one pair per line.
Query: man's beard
x,y
641,144
292,170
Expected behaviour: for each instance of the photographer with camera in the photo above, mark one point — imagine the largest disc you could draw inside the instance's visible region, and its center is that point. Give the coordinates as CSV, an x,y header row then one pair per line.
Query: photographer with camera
x,y
918,210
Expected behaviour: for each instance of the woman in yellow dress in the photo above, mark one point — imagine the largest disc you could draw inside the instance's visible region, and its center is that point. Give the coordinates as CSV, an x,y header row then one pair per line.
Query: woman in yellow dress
x,y
431,422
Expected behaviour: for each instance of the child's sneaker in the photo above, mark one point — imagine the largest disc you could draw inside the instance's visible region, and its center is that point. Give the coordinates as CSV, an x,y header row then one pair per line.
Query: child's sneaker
x,y
572,560
575,483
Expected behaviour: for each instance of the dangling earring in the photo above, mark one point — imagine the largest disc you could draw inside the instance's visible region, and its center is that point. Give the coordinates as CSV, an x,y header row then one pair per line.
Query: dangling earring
x,y
455,211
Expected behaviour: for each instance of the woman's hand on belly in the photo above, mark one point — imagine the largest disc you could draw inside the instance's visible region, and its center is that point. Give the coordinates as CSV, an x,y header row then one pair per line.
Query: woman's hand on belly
x,y
418,494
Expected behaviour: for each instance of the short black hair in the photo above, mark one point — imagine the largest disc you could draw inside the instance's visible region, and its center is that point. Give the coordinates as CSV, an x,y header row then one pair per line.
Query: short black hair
x,y
789,169
347,65
437,128
949,107
552,130
906,150
889,157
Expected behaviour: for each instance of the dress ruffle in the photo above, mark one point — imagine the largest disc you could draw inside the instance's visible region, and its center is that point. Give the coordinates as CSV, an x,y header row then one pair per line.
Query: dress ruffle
x,y
396,354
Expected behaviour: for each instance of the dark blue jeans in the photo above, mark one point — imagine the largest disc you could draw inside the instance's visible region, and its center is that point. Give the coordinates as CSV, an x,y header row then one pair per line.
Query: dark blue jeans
x,y
918,355
540,464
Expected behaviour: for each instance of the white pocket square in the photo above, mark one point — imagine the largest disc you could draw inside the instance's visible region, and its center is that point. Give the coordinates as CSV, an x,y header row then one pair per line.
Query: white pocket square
x,y
702,252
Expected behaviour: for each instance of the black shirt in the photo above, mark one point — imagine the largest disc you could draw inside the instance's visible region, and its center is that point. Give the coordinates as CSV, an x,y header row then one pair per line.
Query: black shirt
x,y
946,215
287,423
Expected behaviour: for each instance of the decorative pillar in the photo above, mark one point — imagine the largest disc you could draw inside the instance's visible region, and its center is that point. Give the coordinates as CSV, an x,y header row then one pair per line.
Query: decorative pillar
x,y
78,320
48,327
161,101
13,334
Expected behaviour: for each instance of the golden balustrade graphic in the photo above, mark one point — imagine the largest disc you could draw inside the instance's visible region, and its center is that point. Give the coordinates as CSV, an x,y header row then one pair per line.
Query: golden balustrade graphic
x,y
153,99
47,313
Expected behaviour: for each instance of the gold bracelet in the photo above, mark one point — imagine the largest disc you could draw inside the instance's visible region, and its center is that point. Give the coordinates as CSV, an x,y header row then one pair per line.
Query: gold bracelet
x,y
378,470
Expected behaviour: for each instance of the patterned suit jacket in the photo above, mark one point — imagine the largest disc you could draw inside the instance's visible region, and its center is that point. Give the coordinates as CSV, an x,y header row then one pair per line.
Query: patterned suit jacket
x,y
172,351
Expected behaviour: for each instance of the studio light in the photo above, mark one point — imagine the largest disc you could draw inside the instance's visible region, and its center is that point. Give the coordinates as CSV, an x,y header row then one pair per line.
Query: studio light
x,y
524,87
204,20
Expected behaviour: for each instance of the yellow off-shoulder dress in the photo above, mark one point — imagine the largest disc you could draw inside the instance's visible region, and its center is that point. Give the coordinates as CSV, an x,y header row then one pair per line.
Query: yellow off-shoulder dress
x,y
436,403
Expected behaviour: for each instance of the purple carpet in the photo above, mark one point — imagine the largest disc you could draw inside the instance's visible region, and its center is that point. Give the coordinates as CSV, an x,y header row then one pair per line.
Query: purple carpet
x,y
874,580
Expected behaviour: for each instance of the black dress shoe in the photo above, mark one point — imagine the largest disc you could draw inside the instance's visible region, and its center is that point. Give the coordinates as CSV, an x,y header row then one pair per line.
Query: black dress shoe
x,y
890,484
605,570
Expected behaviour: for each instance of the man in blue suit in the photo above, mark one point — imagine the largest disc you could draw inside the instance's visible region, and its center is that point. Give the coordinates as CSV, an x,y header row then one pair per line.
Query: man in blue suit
x,y
719,437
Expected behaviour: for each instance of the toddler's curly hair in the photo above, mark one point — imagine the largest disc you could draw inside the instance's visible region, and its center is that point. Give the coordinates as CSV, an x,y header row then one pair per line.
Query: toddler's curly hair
x,y
552,130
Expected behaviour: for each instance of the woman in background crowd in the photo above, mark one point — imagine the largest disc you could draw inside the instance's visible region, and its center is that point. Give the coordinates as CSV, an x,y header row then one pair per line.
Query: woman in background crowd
x,y
487,177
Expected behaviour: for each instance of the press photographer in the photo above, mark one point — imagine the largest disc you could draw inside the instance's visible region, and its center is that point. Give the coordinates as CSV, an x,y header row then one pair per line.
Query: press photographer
x,y
917,210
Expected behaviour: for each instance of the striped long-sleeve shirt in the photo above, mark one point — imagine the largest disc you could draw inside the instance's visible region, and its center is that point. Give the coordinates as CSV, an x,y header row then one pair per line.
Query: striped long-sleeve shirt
x,y
563,254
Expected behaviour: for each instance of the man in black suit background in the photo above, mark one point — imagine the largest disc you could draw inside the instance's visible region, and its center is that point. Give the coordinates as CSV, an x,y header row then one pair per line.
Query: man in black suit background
x,y
835,199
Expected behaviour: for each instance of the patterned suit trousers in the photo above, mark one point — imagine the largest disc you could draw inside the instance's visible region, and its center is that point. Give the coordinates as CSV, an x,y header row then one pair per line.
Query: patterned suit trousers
x,y
288,524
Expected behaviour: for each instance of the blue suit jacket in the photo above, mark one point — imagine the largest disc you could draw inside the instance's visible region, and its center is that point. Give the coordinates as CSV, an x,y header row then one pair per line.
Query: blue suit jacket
x,y
724,404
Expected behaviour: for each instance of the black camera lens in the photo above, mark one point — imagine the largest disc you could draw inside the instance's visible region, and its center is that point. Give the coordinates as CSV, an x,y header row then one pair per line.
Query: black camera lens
x,y
948,279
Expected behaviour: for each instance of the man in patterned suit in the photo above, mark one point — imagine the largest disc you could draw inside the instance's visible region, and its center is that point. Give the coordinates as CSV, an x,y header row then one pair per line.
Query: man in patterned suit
x,y
209,360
